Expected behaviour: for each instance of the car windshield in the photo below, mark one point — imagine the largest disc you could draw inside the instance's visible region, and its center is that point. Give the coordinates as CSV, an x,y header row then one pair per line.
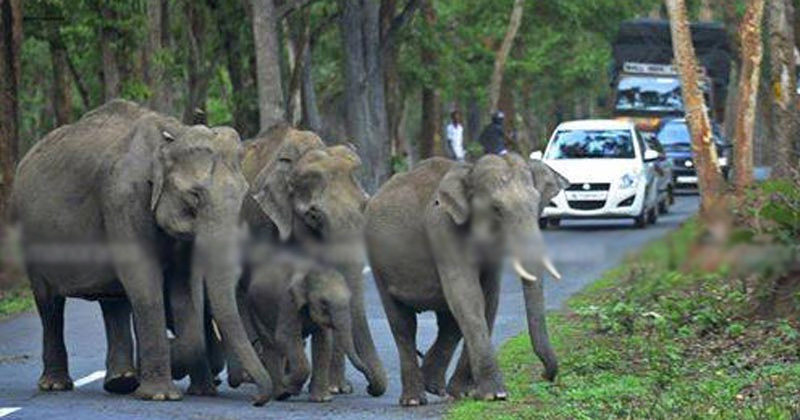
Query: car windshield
x,y
591,144
674,133
647,93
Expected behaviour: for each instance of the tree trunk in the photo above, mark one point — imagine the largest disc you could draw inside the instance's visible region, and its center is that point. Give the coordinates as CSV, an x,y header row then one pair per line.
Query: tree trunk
x,y
311,117
749,73
155,76
394,99
706,11
111,77
709,176
780,18
365,103
429,130
198,71
62,90
502,54
10,49
268,70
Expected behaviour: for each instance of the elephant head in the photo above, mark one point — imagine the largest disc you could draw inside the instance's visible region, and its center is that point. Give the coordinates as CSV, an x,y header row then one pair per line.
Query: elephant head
x,y
497,202
325,296
311,194
197,188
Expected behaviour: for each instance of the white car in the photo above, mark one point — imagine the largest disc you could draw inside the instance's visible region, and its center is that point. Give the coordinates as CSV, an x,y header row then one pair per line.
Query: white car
x,y
611,171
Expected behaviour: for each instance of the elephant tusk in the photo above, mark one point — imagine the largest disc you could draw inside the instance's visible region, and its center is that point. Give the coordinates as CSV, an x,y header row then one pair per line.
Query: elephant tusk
x,y
215,328
521,271
548,265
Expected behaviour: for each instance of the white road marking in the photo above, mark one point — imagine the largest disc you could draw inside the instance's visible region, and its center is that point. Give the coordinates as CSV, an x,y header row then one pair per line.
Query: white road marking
x,y
4,411
100,374
367,270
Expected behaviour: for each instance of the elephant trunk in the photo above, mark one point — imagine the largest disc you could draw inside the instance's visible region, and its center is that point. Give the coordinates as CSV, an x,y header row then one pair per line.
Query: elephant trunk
x,y
219,266
530,268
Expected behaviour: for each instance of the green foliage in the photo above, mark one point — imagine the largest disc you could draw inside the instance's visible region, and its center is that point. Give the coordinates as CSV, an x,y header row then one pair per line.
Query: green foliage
x,y
15,301
647,342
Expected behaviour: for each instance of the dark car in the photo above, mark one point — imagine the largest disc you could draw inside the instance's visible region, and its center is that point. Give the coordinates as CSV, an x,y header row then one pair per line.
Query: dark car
x,y
675,139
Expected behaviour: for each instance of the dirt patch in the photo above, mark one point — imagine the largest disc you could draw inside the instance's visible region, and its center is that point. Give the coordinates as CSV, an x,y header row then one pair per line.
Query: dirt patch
x,y
778,298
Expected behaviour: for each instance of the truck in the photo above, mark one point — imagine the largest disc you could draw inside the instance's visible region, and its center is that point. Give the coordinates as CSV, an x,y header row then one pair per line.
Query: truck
x,y
646,86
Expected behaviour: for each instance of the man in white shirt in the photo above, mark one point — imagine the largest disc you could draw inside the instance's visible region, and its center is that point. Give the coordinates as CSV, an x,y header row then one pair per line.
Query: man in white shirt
x,y
455,136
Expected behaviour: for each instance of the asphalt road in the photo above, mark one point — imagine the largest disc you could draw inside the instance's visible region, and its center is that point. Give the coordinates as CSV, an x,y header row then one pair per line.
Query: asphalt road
x,y
581,250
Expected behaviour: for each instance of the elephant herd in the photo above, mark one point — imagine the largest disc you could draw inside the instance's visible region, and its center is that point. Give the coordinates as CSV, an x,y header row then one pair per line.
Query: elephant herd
x,y
228,254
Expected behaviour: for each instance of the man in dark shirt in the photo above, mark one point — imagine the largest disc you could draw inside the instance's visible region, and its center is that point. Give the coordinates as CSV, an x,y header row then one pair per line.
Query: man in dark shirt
x,y
493,136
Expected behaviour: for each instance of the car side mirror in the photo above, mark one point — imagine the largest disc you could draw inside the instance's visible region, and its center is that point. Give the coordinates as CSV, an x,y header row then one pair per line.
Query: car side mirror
x,y
536,155
651,155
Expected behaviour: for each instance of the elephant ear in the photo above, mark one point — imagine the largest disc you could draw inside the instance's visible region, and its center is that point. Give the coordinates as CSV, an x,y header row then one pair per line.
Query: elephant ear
x,y
453,193
547,181
273,183
160,159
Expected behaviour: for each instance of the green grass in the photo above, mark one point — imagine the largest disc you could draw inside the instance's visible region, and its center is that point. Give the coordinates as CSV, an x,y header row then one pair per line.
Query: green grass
x,y
650,342
15,301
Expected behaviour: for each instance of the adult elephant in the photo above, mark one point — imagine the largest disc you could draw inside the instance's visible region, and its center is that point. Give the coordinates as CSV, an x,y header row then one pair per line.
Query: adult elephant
x,y
304,195
436,238
103,203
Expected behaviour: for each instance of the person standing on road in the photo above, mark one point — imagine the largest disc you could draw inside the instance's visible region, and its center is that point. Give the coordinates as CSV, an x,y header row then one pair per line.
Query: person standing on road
x,y
493,136
455,136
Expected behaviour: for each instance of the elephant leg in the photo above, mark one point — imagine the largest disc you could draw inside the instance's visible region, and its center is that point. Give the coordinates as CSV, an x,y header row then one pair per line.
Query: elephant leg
x,y
298,369
216,350
338,380
362,337
275,363
462,383
54,353
321,346
472,307
537,327
236,373
120,370
403,323
149,319
437,359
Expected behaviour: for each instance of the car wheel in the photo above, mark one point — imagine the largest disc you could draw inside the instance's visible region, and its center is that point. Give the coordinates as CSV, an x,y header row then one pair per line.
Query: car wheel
x,y
640,221
663,206
652,216
671,195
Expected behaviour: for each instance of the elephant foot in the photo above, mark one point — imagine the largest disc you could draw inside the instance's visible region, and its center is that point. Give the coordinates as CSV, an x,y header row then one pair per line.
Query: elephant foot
x,y
55,382
460,388
123,382
237,377
320,397
491,391
202,389
413,400
436,386
342,387
376,390
159,391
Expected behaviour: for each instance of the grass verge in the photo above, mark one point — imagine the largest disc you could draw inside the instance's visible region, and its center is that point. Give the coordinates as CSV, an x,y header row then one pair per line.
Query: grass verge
x,y
650,341
18,299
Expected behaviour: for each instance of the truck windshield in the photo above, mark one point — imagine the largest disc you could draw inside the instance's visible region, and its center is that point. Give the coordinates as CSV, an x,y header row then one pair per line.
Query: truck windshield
x,y
674,133
650,94
591,144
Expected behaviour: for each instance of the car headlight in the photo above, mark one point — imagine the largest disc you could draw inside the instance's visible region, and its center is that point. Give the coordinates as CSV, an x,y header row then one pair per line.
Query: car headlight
x,y
627,181
723,161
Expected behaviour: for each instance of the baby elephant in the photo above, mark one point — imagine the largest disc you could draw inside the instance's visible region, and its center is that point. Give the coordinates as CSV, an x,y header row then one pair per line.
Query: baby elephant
x,y
288,300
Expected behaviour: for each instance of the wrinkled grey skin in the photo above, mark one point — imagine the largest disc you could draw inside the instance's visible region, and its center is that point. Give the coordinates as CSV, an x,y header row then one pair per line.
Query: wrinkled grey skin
x,y
136,185
436,237
288,301
305,196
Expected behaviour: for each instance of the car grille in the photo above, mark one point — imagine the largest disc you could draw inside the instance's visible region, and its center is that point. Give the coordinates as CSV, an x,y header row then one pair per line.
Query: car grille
x,y
587,204
592,187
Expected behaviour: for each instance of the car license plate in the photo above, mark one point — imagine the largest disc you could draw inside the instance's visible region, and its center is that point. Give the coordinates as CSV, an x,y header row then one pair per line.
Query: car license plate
x,y
586,195
687,180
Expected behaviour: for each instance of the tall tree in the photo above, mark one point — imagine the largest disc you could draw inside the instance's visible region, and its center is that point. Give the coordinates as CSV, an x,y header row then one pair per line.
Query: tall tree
x,y
198,69
365,104
749,74
154,66
429,132
502,54
10,49
108,38
62,89
268,70
780,20
709,175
